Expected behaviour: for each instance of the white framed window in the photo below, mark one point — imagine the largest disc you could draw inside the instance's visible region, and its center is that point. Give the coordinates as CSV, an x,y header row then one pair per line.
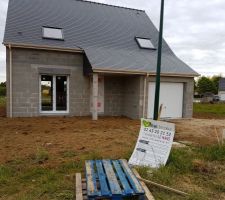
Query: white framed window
x,y
54,94
52,33
144,43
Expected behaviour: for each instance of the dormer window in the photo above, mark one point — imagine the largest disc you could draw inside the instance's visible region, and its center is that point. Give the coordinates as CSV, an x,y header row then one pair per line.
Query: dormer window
x,y
52,33
144,43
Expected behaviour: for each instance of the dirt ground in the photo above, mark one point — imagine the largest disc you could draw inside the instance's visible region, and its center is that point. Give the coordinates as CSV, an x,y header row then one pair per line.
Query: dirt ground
x,y
199,131
21,137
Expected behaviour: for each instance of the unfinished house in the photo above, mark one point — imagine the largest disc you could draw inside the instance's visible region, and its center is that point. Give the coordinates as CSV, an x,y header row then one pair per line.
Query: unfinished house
x,y
80,58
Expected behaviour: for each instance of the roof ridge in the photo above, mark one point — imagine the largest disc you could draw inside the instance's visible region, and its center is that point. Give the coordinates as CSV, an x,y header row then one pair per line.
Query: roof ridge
x,y
104,4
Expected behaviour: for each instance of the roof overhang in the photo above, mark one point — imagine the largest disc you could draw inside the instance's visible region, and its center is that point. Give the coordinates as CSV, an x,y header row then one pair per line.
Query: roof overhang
x,y
43,47
108,71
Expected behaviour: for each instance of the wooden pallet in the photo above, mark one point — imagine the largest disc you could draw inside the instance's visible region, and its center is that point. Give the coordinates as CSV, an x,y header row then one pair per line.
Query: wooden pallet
x,y
108,179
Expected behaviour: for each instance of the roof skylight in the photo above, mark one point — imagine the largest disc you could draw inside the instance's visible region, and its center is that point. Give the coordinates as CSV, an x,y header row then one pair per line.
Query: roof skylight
x,y
145,43
52,33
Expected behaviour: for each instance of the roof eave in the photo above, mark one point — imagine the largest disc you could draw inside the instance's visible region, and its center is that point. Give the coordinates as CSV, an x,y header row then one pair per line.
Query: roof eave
x,y
43,47
110,71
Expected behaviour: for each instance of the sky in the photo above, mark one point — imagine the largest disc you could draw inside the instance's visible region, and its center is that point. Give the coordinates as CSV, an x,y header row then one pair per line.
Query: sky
x,y
194,29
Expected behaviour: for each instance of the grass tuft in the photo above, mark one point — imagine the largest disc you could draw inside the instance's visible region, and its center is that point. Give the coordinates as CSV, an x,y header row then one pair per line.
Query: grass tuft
x,y
197,196
5,174
65,195
69,154
71,166
41,155
94,155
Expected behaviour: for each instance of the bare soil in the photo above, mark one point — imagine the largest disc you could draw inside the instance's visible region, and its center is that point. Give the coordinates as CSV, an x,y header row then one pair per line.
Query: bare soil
x,y
108,137
2,111
199,131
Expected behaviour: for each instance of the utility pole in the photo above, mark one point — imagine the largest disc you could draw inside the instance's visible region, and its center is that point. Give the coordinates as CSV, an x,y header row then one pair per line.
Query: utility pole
x,y
157,87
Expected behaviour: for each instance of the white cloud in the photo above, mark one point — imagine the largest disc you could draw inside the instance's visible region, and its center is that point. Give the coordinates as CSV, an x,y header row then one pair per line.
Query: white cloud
x,y
193,29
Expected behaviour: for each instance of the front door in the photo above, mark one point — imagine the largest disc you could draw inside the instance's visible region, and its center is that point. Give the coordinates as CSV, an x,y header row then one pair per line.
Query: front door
x,y
54,96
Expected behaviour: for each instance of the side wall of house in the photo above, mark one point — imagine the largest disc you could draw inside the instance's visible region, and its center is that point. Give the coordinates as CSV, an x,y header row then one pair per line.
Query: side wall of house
x,y
28,64
188,92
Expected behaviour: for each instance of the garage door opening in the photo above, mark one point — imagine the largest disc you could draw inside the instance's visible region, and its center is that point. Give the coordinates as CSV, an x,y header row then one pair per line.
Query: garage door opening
x,y
171,97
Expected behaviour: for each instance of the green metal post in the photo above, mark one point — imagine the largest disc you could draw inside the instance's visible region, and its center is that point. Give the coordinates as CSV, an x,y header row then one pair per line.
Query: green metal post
x,y
157,87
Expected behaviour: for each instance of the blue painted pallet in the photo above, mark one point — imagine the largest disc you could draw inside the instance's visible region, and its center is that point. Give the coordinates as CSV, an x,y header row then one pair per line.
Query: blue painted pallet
x,y
111,179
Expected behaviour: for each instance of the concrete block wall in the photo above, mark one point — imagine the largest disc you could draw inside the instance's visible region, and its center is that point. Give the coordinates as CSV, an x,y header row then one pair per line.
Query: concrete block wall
x,y
123,96
27,66
133,101
114,95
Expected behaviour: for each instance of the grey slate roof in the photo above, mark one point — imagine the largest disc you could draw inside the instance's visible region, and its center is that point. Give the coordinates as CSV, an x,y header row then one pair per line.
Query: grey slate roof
x,y
106,33
222,84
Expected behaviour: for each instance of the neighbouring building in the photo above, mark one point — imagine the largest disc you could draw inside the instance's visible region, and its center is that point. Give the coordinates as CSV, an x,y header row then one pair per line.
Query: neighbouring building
x,y
77,58
221,91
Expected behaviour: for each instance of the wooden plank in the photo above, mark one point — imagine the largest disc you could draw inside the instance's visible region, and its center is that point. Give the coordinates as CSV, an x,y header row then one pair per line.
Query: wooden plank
x,y
102,179
148,194
127,189
133,180
79,194
112,180
91,179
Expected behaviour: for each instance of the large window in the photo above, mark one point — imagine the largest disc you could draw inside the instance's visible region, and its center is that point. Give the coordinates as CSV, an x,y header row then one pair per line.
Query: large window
x,y
54,93
52,33
144,43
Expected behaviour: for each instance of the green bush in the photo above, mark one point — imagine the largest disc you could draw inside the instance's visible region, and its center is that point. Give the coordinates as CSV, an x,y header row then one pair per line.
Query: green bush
x,y
2,91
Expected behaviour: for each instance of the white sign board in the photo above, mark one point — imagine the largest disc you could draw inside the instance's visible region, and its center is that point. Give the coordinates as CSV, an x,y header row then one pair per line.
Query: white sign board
x,y
100,95
154,143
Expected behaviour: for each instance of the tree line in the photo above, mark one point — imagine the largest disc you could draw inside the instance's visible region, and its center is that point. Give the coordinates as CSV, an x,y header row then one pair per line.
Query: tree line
x,y
207,84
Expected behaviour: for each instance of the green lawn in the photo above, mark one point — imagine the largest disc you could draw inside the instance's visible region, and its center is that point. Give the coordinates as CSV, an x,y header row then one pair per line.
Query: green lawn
x,y
209,110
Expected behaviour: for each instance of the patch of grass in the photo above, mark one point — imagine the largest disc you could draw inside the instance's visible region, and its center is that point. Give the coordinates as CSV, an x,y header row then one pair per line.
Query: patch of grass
x,y
220,186
185,164
93,155
214,109
213,153
164,175
2,101
33,174
41,155
5,173
65,195
69,154
180,159
128,154
75,166
197,196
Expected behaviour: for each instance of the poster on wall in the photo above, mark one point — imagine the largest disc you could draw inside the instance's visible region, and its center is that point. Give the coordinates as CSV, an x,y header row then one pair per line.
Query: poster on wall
x,y
100,95
154,143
